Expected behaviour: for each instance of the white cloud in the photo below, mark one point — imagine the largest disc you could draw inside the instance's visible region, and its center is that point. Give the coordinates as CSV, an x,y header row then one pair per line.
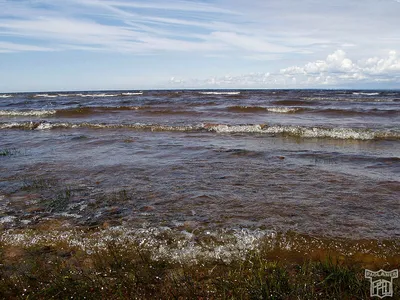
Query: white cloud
x,y
336,70
335,62
378,65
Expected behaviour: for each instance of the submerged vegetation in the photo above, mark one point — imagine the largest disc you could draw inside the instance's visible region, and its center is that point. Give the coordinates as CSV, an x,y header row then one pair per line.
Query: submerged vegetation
x,y
107,264
99,256
37,184
9,152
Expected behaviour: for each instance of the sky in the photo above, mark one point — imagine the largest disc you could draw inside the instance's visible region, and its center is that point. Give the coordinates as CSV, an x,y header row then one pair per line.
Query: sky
x,y
59,45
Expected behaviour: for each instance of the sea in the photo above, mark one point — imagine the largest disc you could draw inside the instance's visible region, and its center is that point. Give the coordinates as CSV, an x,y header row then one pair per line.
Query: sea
x,y
316,162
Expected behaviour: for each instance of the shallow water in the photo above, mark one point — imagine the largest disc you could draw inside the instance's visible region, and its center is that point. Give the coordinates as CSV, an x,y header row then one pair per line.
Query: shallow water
x,y
325,163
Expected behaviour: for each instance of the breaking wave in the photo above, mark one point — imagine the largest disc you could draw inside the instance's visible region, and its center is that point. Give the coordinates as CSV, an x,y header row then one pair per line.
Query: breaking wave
x,y
132,94
5,96
219,93
181,246
15,113
288,130
42,125
45,96
164,242
250,109
82,95
104,95
309,132
365,94
100,95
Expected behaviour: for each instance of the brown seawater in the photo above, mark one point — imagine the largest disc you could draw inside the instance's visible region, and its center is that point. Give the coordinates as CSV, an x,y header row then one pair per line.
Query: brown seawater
x,y
314,162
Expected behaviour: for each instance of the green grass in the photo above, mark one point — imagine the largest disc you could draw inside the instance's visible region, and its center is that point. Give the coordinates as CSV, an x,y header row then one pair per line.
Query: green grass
x,y
61,271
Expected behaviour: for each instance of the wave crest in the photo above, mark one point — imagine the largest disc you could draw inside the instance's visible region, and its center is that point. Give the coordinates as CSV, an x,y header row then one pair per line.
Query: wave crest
x,y
219,93
45,96
308,132
289,130
250,109
15,113
366,94
131,94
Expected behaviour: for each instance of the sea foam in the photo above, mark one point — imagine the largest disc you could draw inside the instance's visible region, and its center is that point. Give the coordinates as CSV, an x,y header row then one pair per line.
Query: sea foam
x,y
15,113
277,109
289,130
162,242
219,93
131,94
45,96
308,132
100,95
366,94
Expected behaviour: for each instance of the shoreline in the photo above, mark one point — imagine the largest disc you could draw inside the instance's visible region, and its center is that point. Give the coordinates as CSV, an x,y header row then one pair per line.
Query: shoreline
x,y
122,263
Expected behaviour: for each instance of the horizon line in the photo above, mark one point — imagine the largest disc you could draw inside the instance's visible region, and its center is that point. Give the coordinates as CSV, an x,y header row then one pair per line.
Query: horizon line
x,y
205,89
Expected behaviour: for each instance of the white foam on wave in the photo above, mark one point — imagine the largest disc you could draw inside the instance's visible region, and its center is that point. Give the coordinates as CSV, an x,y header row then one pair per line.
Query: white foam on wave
x,y
366,94
141,126
48,125
235,128
36,125
306,132
45,96
219,93
132,94
298,131
5,96
14,125
7,125
314,132
45,126
15,113
273,109
163,243
282,110
97,95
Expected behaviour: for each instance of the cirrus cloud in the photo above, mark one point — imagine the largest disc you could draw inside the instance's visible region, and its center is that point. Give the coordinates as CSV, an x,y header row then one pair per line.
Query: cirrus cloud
x,y
284,43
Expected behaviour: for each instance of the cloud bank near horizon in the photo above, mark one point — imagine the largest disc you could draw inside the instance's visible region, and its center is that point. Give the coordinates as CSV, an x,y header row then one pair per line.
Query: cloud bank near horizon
x,y
336,70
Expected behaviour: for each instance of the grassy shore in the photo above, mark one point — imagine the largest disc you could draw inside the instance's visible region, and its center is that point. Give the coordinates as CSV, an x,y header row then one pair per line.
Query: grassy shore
x,y
45,254
117,264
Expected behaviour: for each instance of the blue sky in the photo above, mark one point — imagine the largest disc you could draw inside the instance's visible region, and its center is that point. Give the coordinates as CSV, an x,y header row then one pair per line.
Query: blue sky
x,y
125,44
